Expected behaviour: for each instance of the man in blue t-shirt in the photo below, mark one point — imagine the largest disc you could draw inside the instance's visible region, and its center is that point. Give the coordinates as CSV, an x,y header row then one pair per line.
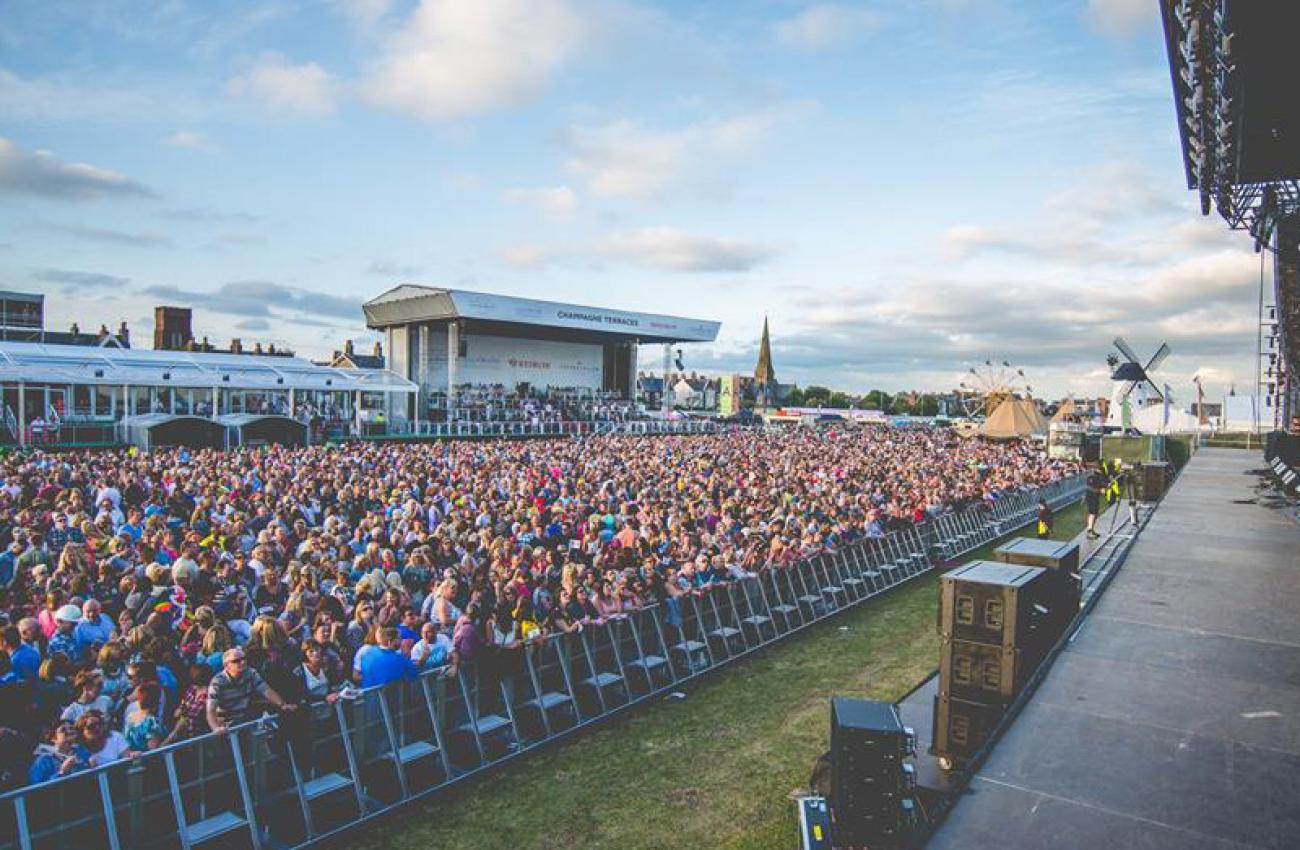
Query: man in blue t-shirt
x,y
385,663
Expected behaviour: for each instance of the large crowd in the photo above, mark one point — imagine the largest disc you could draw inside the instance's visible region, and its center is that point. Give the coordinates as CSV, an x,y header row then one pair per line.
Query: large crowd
x,y
150,597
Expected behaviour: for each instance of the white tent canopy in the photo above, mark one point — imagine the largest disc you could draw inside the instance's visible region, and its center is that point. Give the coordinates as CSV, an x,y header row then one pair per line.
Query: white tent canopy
x,y
37,363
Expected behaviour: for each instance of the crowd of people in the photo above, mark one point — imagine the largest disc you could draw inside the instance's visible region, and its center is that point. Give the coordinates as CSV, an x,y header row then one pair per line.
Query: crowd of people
x,y
496,403
150,597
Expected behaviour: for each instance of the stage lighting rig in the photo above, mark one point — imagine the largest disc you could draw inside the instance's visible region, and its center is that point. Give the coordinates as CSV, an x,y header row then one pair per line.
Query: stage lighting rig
x,y
1233,65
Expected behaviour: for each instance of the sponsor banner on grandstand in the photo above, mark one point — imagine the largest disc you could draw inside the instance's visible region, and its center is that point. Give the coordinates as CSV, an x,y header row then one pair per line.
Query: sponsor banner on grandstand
x,y
500,360
647,326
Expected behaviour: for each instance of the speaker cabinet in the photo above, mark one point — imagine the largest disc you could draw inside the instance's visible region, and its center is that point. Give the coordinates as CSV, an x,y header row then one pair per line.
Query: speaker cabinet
x,y
871,782
981,672
999,604
962,727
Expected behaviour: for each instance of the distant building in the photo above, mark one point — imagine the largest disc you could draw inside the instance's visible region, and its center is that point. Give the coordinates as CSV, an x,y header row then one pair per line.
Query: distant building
x,y
22,319
348,358
173,331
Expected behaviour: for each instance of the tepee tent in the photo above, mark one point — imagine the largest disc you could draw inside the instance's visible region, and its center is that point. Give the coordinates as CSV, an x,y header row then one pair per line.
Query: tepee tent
x,y
1065,411
1014,418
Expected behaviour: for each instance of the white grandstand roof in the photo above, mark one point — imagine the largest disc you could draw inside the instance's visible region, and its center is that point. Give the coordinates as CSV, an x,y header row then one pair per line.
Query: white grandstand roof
x,y
411,303
33,362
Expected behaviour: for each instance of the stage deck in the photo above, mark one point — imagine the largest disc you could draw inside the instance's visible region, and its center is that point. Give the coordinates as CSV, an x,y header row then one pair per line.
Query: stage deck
x,y
1172,720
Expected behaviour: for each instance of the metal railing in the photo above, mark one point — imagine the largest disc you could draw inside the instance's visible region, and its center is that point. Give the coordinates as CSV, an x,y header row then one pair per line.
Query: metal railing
x,y
277,783
477,430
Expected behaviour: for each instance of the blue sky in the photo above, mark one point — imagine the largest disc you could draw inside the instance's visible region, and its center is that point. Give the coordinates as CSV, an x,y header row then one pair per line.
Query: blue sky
x,y
905,188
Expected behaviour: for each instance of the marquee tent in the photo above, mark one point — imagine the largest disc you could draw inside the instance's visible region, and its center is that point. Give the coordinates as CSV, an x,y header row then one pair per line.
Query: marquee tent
x,y
1013,419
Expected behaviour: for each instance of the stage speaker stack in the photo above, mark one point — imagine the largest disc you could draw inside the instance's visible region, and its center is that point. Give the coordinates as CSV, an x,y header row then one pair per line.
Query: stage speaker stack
x,y
872,779
1061,560
997,621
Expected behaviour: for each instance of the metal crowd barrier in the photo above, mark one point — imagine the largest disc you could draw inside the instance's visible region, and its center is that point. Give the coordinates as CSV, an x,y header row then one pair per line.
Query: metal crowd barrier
x,y
291,782
468,429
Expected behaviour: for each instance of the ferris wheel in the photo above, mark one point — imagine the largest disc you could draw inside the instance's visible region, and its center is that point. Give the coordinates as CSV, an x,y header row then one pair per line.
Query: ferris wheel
x,y
989,384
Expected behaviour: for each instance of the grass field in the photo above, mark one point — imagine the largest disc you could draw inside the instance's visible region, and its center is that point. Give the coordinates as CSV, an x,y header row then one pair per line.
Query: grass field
x,y
714,770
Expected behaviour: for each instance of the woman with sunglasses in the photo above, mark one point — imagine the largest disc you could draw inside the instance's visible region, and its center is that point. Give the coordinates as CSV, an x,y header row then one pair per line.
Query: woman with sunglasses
x,y
104,743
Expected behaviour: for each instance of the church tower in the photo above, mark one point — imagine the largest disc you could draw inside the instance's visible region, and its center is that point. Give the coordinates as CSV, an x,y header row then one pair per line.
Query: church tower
x,y
764,374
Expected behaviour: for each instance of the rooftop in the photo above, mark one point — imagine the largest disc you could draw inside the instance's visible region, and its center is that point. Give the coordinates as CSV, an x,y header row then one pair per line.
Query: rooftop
x,y
65,364
410,303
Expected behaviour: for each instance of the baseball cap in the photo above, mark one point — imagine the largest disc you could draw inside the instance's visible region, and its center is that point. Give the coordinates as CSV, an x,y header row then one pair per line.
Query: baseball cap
x,y
68,614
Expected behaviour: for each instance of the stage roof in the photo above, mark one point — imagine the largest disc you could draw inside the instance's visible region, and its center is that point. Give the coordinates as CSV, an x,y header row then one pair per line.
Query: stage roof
x,y
411,303
76,364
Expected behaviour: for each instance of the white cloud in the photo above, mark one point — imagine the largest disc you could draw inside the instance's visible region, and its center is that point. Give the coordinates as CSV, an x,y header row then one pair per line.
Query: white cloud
x,y
1121,18
827,25
192,139
453,58
526,257
667,249
366,13
43,174
962,241
462,180
627,159
554,200
388,268
306,89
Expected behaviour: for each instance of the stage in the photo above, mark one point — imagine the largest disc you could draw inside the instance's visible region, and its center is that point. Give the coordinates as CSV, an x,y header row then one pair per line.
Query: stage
x,y
1172,720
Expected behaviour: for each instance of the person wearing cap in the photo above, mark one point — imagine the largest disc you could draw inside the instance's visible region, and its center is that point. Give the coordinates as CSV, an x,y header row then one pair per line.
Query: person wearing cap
x,y
231,692
64,640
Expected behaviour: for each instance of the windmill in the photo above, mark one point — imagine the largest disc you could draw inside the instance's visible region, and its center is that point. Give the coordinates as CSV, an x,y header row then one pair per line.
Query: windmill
x,y
1132,382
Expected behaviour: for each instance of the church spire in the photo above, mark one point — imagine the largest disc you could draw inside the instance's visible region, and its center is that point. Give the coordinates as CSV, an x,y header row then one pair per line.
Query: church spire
x,y
763,372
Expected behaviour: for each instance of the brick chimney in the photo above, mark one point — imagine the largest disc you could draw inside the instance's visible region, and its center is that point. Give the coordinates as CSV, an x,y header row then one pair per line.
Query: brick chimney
x,y
236,347
257,348
124,335
172,328
379,349
347,347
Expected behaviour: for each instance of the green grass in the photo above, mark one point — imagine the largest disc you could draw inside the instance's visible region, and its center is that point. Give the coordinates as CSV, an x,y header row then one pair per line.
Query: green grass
x,y
714,770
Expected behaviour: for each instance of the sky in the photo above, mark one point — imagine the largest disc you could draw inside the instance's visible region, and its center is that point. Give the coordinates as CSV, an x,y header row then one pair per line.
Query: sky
x,y
905,188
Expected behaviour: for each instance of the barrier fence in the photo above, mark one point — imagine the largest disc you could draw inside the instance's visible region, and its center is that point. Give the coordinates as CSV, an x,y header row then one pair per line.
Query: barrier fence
x,y
472,429
291,781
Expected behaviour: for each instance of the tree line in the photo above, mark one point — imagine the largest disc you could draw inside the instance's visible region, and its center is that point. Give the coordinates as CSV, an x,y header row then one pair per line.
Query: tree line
x,y
902,404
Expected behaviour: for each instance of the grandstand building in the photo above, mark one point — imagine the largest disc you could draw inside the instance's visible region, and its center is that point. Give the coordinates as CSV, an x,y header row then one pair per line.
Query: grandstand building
x,y
74,388
446,339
